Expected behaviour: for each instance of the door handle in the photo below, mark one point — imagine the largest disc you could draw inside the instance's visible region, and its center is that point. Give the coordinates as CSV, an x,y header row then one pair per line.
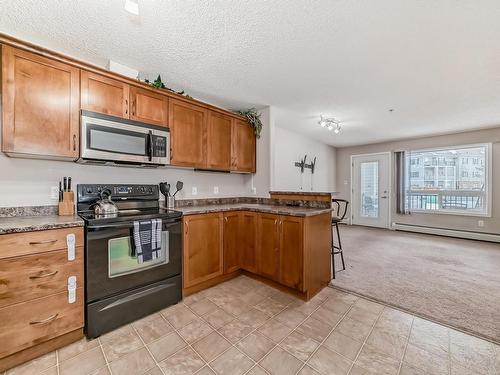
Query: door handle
x,y
45,321
384,197
126,106
42,242
42,275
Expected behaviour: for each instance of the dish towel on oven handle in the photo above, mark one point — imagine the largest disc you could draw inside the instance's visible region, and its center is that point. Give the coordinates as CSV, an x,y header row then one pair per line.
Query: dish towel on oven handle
x,y
147,240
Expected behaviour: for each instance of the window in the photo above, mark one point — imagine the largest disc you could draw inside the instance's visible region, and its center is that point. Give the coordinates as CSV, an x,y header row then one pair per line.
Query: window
x,y
453,180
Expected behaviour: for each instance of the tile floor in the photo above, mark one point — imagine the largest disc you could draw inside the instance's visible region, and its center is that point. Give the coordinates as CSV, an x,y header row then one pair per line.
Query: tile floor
x,y
246,327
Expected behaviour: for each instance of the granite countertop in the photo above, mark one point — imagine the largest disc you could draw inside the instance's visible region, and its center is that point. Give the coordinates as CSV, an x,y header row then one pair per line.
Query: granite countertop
x,y
18,224
326,193
266,208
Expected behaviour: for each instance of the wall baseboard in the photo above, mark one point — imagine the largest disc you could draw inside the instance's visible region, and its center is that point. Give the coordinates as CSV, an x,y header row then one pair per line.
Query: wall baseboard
x,y
490,237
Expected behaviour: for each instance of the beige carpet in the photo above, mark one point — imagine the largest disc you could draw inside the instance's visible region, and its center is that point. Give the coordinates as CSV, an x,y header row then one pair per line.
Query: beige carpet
x,y
452,281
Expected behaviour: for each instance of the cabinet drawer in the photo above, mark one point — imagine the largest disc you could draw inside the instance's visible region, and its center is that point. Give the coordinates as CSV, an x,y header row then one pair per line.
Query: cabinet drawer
x,y
29,323
34,276
17,244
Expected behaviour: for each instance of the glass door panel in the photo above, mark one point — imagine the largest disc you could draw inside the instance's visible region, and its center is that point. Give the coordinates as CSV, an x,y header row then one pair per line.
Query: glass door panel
x,y
369,189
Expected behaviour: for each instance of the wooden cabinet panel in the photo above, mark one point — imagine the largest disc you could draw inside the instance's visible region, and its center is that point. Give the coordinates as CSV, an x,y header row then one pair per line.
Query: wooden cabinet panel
x,y
148,106
34,276
248,241
203,250
29,323
40,106
219,141
17,244
292,251
231,241
268,246
104,95
243,147
188,130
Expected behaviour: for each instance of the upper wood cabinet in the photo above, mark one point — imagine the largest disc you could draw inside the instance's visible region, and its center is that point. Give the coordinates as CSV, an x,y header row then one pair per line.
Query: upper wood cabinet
x,y
203,248
40,106
243,147
188,134
148,106
104,95
248,241
268,242
292,251
219,141
231,241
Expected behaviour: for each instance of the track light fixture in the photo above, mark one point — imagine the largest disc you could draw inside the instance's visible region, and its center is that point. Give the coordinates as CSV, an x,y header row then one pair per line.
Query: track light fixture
x,y
330,123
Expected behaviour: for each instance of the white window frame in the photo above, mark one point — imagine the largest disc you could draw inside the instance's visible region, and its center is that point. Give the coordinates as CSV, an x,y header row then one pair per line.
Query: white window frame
x,y
488,181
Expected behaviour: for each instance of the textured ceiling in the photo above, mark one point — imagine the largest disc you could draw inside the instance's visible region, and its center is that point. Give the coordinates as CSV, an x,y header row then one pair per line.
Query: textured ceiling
x,y
436,62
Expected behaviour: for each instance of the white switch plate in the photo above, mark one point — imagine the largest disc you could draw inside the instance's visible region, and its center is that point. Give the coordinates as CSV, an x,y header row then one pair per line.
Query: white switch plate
x,y
194,190
216,190
254,190
480,223
54,192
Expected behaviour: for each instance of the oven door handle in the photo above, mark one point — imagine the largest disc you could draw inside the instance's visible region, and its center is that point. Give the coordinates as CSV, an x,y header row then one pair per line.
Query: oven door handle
x,y
131,224
150,145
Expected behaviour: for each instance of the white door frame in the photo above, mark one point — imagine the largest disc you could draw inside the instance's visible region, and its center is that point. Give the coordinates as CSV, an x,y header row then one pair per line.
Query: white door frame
x,y
389,216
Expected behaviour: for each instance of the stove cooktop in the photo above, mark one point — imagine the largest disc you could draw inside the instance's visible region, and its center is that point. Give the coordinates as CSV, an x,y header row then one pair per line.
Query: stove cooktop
x,y
130,215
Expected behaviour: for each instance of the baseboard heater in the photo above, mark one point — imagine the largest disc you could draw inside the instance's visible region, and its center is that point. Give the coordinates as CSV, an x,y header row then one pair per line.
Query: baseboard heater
x,y
447,232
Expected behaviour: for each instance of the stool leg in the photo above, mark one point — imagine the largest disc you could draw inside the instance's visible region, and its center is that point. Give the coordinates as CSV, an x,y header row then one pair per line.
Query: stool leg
x,y
333,254
340,246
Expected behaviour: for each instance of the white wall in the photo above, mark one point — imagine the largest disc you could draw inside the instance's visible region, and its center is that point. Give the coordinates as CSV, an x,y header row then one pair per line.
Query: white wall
x,y
290,147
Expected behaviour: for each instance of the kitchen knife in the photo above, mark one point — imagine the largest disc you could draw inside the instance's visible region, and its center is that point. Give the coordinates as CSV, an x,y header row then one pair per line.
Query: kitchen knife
x,y
69,183
65,183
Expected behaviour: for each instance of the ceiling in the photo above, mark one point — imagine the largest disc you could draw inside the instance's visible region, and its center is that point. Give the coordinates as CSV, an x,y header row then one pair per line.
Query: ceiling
x,y
435,63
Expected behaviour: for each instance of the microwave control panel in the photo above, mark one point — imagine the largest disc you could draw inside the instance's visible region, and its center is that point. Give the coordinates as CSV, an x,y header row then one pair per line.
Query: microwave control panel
x,y
159,146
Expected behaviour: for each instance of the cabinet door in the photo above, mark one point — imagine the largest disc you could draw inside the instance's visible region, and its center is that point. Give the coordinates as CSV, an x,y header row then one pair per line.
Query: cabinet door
x,y
231,242
188,130
268,245
202,248
219,141
248,241
243,147
40,105
291,251
148,106
104,95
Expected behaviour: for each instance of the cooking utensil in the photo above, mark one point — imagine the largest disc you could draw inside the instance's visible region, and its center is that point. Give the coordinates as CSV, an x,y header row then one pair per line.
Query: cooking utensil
x,y
165,189
69,183
179,185
105,206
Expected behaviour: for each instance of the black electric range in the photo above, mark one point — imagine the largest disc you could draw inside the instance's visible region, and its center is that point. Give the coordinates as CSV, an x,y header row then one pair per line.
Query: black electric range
x,y
118,288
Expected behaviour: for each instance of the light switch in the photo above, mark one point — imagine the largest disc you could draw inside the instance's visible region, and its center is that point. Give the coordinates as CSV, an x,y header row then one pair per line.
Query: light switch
x,y
216,190
194,190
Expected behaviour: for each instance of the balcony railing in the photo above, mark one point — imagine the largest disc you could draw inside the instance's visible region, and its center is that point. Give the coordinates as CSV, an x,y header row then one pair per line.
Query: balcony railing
x,y
446,200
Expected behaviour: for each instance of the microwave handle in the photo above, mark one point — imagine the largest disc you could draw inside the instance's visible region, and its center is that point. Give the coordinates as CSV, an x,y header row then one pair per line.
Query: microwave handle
x,y
150,145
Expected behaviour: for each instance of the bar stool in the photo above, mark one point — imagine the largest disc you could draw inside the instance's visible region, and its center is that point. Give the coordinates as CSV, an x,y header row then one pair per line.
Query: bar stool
x,y
340,210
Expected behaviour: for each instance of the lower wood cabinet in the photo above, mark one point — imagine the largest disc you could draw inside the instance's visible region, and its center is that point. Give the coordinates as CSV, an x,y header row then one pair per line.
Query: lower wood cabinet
x,y
35,313
268,246
292,251
231,239
203,248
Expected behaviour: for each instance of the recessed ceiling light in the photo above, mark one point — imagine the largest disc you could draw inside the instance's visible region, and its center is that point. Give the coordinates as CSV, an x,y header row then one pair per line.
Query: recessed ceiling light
x,y
132,6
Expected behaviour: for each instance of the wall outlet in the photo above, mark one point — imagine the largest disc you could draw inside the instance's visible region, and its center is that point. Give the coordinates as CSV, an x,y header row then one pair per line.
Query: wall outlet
x,y
216,190
54,192
480,223
194,190
254,190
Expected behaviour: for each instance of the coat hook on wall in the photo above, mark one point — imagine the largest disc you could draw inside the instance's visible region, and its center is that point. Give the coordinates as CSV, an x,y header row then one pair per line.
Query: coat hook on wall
x,y
301,164
312,165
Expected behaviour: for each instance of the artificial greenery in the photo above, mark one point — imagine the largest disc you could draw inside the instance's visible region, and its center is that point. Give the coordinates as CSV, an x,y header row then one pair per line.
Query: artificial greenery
x,y
253,118
157,83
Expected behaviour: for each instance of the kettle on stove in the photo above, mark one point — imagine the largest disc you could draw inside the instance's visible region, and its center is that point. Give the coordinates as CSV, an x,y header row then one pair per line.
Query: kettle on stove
x,y
105,206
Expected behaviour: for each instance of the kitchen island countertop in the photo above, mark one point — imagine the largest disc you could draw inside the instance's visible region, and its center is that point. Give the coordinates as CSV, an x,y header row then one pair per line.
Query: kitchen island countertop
x,y
255,207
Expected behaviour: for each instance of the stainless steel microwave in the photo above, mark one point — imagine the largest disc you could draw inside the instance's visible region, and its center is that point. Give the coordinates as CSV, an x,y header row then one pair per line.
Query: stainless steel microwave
x,y
114,141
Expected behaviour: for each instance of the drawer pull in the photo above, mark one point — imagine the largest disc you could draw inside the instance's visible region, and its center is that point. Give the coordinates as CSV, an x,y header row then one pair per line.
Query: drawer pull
x,y
42,275
45,321
42,242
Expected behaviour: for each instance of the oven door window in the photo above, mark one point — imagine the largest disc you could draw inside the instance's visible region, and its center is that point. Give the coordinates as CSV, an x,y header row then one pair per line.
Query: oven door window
x,y
102,138
120,259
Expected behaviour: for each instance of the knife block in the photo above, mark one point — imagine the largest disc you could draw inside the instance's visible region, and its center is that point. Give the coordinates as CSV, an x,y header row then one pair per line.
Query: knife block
x,y
67,205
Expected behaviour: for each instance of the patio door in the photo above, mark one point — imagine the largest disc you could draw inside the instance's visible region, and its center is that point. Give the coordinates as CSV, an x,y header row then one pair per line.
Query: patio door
x,y
371,190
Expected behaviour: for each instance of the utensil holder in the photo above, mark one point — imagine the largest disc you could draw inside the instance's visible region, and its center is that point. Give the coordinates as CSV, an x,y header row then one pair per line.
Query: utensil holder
x,y
67,205
170,203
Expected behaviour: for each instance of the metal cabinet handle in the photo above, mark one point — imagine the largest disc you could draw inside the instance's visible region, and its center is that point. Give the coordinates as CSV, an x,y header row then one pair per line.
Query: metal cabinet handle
x,y
225,219
126,106
187,227
42,275
45,321
275,221
42,242
74,142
